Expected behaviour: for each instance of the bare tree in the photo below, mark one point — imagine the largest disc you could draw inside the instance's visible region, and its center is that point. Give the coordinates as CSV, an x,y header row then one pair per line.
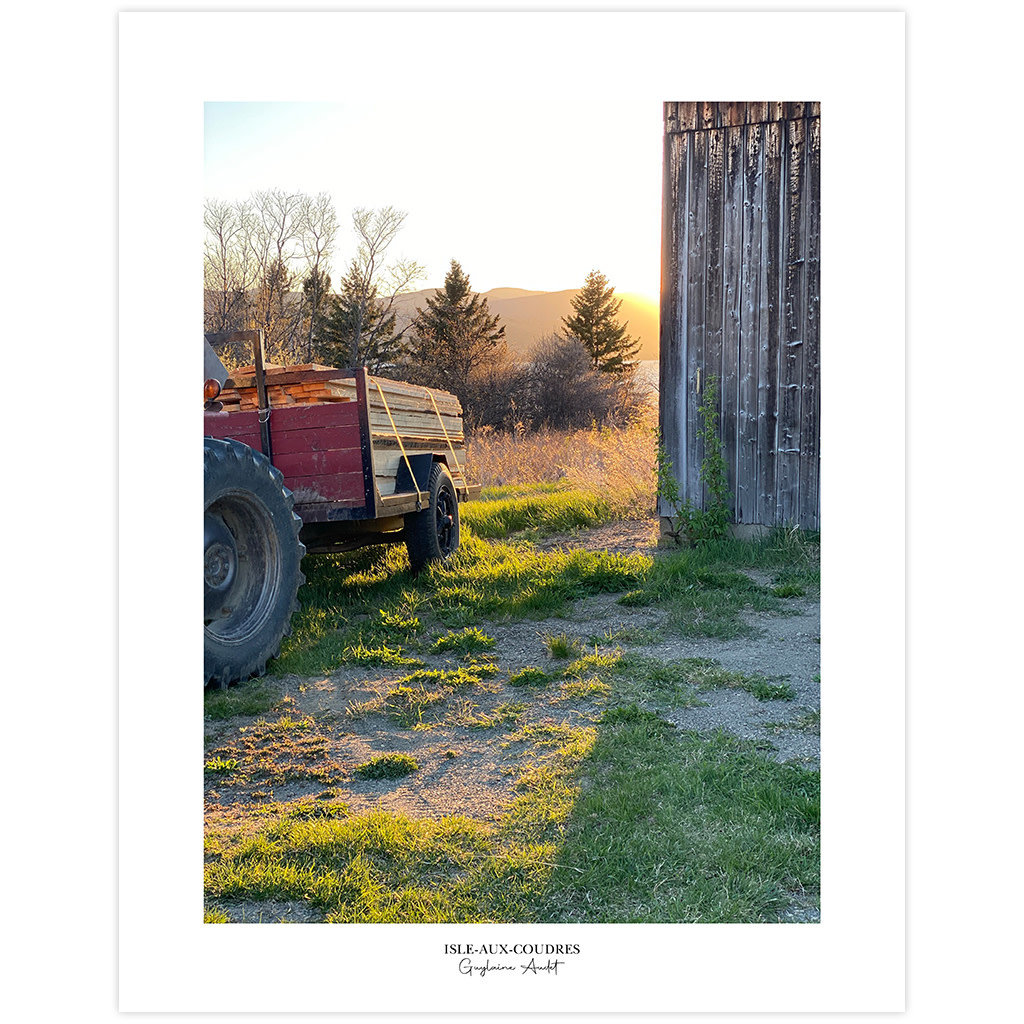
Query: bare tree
x,y
376,282
275,243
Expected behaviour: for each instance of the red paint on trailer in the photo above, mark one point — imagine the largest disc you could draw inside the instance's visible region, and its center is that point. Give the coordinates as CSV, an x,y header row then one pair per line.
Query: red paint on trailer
x,y
317,448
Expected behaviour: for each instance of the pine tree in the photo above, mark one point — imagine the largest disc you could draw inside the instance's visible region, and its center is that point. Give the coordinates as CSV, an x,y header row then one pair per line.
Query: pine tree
x,y
359,327
594,323
454,336
315,289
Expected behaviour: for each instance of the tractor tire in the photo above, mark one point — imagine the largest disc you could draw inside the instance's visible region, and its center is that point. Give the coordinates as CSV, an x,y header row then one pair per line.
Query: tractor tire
x,y
432,534
252,556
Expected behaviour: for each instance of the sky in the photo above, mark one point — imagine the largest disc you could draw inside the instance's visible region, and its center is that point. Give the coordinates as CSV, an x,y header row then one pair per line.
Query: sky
x,y
530,191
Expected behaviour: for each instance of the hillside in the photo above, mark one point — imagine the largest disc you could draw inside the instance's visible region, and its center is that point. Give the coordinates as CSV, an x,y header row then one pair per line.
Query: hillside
x,y
529,316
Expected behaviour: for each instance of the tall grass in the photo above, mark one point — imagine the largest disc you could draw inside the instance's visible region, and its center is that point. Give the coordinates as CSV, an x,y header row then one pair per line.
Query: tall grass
x,y
617,462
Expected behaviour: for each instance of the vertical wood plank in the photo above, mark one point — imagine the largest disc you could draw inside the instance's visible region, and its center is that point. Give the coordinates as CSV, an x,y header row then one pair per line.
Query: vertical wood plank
x,y
768,324
732,266
810,404
749,307
791,353
713,283
672,343
696,209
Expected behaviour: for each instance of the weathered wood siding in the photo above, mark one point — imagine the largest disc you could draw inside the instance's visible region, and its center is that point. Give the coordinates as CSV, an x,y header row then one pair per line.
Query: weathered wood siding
x,y
739,299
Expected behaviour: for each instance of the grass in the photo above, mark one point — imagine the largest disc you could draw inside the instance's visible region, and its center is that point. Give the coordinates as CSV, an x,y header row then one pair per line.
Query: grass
x,y
365,605
615,814
529,676
388,766
254,698
471,640
366,608
561,645
540,514
679,827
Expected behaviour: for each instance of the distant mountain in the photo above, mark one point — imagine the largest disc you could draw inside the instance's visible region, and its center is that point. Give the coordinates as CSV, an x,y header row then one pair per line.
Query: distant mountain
x,y
529,316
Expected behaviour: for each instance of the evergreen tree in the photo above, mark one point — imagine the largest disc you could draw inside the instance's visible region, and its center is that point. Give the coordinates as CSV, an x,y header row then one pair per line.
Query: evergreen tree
x,y
359,327
454,337
594,323
315,289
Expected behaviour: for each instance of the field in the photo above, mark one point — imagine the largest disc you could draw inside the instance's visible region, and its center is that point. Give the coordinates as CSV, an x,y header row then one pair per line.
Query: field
x,y
561,723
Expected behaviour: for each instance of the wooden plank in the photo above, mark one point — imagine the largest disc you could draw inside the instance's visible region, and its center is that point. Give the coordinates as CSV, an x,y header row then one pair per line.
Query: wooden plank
x,y
302,417
810,512
671,341
345,488
286,375
227,424
732,266
768,324
746,492
713,281
315,439
791,352
316,463
696,209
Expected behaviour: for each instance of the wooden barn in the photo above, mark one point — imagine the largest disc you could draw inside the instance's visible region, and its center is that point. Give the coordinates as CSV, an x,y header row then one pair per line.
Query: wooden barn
x,y
740,277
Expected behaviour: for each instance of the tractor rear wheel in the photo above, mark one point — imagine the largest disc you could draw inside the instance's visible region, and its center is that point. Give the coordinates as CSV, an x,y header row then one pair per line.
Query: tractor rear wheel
x,y
252,554
433,533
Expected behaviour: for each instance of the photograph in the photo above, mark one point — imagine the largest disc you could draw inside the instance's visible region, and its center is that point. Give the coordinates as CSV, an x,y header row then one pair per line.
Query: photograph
x,y
512,520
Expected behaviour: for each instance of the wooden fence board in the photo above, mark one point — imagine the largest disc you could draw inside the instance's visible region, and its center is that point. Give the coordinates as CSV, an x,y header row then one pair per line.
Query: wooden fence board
x,y
732,261
810,411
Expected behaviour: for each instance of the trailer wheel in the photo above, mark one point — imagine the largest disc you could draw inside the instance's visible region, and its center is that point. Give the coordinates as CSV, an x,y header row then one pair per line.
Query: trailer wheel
x,y
433,533
252,554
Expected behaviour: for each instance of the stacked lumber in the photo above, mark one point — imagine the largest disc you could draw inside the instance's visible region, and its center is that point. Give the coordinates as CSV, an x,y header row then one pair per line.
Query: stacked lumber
x,y
304,384
410,408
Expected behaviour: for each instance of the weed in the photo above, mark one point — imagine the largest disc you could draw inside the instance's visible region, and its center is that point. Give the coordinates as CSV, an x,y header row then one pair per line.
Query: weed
x,y
406,704
639,635
561,645
530,676
503,714
221,765
707,520
388,766
471,640
359,654
215,916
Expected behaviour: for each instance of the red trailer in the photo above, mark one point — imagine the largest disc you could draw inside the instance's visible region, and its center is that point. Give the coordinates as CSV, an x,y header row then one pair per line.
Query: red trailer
x,y
282,482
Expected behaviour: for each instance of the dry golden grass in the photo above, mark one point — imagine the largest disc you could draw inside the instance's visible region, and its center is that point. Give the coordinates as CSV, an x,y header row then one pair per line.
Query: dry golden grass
x,y
614,461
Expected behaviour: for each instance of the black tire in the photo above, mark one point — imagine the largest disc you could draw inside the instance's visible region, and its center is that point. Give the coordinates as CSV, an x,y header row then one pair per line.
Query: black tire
x,y
252,555
432,534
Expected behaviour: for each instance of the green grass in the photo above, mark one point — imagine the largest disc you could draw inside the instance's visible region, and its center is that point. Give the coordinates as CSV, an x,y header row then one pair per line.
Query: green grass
x,y
681,827
370,598
499,493
252,698
529,676
471,640
561,645
540,513
615,815
388,766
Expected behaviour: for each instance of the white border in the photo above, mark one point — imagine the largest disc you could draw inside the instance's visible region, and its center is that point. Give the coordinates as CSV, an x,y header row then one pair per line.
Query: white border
x,y
853,960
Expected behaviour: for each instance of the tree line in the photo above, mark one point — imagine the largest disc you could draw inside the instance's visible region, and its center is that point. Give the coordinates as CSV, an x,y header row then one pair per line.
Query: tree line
x,y
267,264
